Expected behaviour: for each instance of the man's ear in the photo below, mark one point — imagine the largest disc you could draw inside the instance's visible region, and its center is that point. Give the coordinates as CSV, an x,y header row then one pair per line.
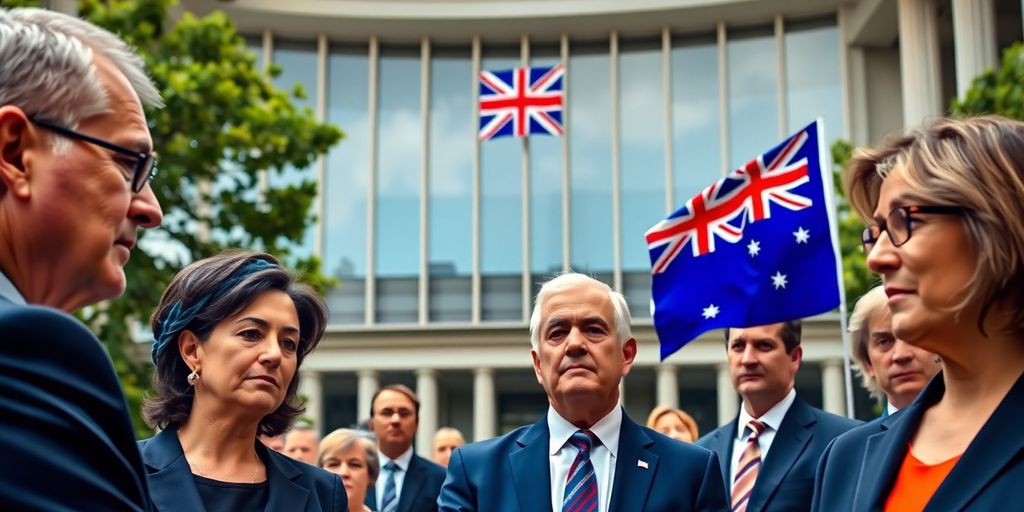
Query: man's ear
x,y
188,347
16,136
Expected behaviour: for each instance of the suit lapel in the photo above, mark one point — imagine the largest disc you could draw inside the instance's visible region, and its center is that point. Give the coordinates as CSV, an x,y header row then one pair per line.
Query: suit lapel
x,y
171,484
721,444
371,498
285,493
633,479
790,441
884,452
411,485
997,444
531,473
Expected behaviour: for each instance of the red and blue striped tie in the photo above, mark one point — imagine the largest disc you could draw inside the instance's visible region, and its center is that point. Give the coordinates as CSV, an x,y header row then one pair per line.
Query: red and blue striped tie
x,y
581,486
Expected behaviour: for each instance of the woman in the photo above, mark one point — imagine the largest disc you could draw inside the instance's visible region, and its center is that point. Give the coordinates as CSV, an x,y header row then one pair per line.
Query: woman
x,y
230,334
673,423
352,455
945,213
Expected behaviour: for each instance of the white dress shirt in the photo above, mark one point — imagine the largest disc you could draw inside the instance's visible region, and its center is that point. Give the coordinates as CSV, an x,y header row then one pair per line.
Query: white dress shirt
x,y
771,419
9,292
403,461
890,408
602,456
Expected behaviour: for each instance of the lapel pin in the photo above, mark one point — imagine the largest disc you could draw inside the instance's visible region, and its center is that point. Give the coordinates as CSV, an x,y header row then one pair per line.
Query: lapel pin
x,y
641,464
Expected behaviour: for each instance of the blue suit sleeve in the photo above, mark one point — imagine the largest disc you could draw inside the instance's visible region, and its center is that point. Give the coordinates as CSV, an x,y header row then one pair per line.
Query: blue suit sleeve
x,y
712,496
820,476
65,432
456,494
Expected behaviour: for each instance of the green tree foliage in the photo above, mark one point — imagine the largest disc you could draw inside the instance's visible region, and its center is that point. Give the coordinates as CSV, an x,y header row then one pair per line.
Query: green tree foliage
x,y
224,124
856,276
997,91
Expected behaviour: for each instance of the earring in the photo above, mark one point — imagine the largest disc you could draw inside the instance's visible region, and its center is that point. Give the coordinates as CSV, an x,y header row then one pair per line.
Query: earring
x,y
192,378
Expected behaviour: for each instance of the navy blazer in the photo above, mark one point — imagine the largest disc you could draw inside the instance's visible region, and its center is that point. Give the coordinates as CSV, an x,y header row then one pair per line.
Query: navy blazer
x,y
859,468
512,474
786,478
294,485
65,435
420,487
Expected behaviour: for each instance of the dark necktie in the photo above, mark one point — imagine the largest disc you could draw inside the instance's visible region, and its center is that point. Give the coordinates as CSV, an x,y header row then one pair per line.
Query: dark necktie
x,y
581,485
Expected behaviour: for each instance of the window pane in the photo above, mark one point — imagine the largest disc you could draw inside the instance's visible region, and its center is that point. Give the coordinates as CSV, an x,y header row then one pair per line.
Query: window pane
x,y
642,134
753,96
346,183
545,189
501,212
451,183
590,138
399,152
298,66
813,86
697,144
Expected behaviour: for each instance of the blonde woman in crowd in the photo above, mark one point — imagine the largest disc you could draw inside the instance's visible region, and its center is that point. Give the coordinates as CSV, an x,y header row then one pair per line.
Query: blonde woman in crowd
x,y
352,455
674,423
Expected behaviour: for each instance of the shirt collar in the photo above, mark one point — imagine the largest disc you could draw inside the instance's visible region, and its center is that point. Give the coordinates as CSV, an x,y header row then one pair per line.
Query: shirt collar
x,y
772,419
9,291
606,429
890,408
402,460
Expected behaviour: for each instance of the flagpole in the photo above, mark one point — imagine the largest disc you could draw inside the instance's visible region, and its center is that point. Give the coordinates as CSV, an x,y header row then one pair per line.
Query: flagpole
x,y
824,154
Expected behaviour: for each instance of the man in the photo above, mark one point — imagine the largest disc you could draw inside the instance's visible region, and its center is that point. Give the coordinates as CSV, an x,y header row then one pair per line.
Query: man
x,y
75,160
446,440
275,443
407,482
302,443
890,368
585,454
770,452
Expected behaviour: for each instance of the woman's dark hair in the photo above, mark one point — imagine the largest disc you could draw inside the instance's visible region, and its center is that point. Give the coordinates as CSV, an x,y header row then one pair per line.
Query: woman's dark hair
x,y
171,401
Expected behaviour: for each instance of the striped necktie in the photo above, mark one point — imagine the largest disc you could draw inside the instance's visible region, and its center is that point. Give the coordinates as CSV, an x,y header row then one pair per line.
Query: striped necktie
x,y
581,485
747,469
389,503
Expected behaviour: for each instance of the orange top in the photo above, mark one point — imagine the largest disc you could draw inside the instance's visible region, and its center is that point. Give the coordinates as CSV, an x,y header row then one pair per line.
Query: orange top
x,y
916,483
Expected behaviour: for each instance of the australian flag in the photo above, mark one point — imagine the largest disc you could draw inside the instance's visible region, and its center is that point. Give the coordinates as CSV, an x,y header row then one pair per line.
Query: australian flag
x,y
754,248
520,102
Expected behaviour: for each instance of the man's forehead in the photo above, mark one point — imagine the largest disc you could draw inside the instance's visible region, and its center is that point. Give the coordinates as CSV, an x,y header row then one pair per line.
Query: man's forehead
x,y
756,333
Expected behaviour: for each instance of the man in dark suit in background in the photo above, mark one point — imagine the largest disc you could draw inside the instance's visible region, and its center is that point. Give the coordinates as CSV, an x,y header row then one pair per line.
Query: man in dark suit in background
x,y
770,452
585,454
407,482
75,161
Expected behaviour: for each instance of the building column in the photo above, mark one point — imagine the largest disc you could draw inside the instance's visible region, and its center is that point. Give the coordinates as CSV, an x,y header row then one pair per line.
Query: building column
x,y
368,384
974,40
919,61
832,389
311,386
426,388
728,400
484,404
668,385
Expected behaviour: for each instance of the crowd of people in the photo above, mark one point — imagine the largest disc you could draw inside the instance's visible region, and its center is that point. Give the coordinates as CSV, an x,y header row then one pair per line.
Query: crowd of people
x,y
940,342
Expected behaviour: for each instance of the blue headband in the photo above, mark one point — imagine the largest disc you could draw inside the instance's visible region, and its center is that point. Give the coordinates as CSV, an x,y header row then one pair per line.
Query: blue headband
x,y
177,318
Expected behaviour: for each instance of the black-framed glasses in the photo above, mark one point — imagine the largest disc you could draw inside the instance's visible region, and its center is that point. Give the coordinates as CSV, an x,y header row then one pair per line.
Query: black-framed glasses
x,y
143,166
898,224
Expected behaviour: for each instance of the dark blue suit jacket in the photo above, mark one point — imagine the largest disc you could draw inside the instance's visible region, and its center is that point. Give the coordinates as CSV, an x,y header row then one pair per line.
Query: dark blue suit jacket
x,y
786,477
512,473
65,435
419,489
294,485
858,469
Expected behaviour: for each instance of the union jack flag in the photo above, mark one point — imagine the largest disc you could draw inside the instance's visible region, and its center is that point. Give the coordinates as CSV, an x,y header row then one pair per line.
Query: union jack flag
x,y
777,259
520,102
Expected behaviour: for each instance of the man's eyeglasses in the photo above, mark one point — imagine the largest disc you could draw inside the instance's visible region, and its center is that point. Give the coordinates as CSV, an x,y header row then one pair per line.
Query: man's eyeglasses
x,y
898,223
143,165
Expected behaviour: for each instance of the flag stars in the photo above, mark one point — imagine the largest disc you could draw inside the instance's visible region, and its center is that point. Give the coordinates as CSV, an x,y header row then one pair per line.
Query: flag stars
x,y
802,235
710,312
779,280
754,248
